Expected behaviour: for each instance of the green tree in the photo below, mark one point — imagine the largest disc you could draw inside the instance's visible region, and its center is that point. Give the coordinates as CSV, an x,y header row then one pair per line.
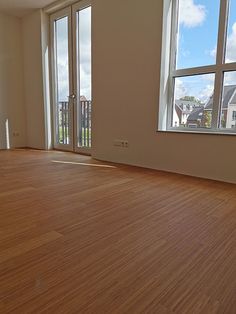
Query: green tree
x,y
191,98
207,119
223,122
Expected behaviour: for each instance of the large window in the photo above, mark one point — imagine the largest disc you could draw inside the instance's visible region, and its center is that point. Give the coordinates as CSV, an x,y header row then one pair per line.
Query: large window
x,y
201,93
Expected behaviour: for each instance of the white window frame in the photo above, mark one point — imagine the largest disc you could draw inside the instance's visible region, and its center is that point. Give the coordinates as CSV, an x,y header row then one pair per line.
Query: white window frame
x,y
170,21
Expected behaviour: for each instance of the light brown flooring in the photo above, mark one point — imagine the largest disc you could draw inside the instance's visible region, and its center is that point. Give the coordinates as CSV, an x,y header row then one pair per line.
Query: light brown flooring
x,y
75,238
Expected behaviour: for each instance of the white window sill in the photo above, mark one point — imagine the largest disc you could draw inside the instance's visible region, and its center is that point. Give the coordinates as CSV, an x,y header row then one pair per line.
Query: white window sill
x,y
199,131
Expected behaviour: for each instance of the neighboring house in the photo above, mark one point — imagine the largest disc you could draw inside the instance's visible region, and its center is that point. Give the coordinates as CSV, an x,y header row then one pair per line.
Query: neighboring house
x,y
231,116
201,117
195,118
183,108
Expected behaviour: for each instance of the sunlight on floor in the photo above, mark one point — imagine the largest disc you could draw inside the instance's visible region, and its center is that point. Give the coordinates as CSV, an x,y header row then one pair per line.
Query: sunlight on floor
x,y
38,151
82,164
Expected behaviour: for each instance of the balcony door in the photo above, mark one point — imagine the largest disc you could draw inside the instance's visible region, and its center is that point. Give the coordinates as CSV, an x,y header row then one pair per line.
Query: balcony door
x,y
71,77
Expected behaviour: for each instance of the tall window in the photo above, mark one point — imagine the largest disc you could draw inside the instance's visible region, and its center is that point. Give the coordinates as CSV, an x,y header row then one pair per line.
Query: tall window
x,y
202,78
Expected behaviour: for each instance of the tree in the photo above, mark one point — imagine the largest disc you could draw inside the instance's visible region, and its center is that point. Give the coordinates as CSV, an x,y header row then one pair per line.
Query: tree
x,y
207,119
191,98
223,122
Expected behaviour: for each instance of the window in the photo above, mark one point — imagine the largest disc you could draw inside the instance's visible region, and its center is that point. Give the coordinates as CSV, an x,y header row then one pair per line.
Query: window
x,y
234,116
201,92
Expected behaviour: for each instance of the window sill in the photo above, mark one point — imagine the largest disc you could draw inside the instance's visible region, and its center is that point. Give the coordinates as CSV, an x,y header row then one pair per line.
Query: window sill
x,y
199,131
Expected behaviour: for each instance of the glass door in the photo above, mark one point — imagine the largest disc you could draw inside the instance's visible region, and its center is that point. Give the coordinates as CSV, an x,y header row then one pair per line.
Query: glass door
x,y
63,97
71,76
82,75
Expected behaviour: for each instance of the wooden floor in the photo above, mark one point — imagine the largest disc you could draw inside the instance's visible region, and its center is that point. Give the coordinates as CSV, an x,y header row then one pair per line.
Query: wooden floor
x,y
79,236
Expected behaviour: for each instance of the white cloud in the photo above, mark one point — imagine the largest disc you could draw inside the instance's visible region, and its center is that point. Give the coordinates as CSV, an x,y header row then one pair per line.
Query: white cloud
x,y
212,53
191,14
84,56
63,79
185,53
230,78
180,89
206,93
200,86
85,52
231,46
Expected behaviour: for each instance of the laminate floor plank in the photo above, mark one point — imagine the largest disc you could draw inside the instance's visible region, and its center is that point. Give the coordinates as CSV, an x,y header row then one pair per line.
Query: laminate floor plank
x,y
83,236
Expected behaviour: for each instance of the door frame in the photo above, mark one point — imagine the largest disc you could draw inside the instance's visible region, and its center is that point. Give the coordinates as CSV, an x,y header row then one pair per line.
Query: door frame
x,y
71,13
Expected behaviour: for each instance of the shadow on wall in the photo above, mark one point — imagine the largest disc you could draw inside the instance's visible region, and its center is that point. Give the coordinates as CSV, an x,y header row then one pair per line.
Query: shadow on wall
x,y
4,134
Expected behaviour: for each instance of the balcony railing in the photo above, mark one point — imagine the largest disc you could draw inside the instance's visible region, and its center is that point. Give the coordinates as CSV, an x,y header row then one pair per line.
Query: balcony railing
x,y
62,116
84,123
84,126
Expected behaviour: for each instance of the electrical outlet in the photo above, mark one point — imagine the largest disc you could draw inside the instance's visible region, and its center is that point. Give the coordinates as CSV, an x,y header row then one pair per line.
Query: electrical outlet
x,y
118,143
126,144
121,143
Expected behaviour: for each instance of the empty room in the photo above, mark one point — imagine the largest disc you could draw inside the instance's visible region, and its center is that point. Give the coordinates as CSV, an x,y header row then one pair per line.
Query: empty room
x,y
118,156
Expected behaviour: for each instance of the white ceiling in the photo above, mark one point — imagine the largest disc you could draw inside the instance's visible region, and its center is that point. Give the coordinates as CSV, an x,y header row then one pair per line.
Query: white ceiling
x,y
22,7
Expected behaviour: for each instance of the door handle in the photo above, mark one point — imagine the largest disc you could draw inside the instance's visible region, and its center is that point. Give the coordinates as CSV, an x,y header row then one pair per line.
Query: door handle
x,y
72,96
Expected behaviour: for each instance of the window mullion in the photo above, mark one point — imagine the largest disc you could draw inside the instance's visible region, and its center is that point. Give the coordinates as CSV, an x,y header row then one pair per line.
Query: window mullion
x,y
217,99
173,47
223,20
195,71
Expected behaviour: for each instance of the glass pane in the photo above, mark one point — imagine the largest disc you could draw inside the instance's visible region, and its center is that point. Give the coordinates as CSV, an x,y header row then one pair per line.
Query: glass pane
x,y
62,59
84,77
193,100
62,80
197,33
228,106
231,36
85,52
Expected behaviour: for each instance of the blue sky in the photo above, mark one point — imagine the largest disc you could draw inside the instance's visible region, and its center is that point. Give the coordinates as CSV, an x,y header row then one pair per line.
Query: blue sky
x,y
197,40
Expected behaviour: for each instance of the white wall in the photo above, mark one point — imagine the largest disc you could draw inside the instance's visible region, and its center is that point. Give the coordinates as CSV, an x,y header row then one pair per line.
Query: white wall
x,y
11,83
33,70
126,77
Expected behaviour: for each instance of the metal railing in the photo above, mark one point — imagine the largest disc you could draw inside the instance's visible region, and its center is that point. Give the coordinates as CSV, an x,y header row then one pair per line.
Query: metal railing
x,y
84,123
62,116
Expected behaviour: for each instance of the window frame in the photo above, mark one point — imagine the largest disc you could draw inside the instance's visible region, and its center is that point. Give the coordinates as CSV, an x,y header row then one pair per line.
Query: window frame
x,y
218,69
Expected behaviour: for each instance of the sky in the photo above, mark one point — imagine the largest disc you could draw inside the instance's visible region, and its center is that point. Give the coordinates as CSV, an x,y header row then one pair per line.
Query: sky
x,y
84,19
84,55
62,55
197,40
